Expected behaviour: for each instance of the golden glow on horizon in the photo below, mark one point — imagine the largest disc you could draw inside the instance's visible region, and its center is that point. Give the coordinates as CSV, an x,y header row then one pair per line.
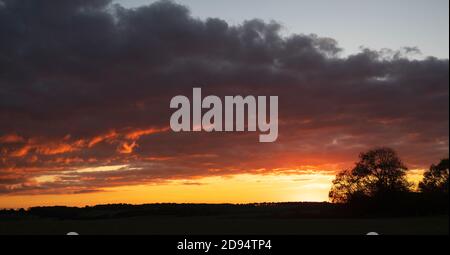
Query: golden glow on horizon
x,y
242,188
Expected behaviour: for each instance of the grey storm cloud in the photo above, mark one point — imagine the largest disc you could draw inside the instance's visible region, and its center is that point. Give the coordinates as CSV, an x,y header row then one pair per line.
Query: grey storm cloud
x,y
78,78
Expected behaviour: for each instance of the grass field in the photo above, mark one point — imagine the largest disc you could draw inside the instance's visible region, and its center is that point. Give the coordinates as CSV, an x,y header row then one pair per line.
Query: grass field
x,y
167,225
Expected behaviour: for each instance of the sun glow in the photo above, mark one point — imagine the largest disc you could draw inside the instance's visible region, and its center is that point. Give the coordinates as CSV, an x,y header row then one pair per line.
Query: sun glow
x,y
241,188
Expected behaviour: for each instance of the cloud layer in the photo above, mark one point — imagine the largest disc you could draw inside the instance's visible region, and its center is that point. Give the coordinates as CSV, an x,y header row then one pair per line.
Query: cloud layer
x,y
85,84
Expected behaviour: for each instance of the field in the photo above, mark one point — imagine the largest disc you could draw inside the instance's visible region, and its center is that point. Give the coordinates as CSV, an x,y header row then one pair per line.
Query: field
x,y
281,219
212,225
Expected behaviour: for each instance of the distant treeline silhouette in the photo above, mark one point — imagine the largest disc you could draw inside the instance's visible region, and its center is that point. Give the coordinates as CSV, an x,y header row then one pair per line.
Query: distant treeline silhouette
x,y
410,205
110,211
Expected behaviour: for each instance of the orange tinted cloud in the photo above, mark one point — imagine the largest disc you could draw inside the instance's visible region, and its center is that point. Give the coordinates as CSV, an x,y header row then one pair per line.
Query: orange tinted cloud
x,y
57,148
21,152
97,139
133,135
127,148
11,138
127,140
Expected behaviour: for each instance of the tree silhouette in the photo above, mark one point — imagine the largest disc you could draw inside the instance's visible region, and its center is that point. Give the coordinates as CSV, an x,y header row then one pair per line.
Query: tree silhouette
x,y
379,172
436,179
346,187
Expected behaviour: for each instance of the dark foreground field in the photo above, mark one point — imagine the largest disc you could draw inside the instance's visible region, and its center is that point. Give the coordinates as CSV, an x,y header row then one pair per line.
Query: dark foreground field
x,y
214,225
166,219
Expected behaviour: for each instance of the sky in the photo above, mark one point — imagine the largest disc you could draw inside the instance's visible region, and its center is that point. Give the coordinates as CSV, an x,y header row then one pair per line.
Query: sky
x,y
353,23
85,90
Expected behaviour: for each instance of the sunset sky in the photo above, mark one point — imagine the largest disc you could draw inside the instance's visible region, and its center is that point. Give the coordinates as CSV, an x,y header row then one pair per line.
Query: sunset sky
x,y
85,88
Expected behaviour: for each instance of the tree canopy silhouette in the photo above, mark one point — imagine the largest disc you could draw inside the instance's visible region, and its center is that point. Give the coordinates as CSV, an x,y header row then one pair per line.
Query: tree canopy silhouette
x,y
436,179
378,172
